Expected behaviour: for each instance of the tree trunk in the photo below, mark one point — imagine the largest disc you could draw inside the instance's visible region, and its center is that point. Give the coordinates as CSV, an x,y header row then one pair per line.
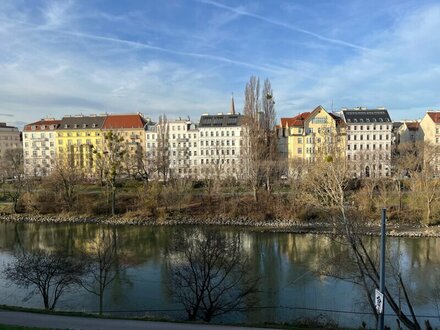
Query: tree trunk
x,y
255,194
16,206
46,302
428,212
113,200
101,299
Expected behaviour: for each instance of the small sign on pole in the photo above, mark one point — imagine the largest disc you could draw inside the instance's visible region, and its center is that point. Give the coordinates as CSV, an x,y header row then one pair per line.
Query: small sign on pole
x,y
378,301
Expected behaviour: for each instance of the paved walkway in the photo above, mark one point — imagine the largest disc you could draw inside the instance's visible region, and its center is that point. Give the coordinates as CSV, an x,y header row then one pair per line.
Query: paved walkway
x,y
85,323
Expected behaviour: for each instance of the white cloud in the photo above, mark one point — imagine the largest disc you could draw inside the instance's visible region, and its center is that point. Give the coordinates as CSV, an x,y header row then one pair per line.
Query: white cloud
x,y
64,70
400,72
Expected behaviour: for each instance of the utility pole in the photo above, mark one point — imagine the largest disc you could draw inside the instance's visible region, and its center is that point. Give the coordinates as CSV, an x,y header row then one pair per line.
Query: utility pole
x,y
382,268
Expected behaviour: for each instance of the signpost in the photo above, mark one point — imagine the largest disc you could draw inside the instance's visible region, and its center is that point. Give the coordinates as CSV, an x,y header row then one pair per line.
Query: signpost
x,y
378,301
380,292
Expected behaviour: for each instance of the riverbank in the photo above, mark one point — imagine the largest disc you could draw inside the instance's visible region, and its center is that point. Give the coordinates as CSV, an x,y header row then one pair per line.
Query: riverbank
x,y
297,227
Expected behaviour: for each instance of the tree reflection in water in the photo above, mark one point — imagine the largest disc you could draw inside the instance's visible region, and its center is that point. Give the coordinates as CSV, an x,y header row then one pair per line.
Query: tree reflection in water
x,y
292,269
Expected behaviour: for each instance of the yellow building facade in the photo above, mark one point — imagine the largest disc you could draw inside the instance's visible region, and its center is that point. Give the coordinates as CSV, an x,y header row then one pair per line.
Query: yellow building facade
x,y
430,134
77,138
315,135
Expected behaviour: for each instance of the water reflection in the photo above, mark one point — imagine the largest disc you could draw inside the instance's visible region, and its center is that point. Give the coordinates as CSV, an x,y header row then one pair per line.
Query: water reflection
x,y
290,267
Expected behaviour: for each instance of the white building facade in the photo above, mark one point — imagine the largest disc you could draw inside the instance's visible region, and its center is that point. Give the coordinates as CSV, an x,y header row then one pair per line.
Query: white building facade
x,y
198,151
221,140
39,147
173,144
368,145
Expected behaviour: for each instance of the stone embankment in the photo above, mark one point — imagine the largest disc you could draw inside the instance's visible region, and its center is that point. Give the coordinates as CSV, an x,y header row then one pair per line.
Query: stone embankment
x,y
292,226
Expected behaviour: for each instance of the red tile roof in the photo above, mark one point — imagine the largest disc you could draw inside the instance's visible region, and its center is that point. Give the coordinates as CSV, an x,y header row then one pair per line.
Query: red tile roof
x,y
435,116
295,121
413,126
124,121
43,122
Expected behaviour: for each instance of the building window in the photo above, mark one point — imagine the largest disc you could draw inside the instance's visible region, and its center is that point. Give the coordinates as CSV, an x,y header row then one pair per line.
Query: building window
x,y
299,151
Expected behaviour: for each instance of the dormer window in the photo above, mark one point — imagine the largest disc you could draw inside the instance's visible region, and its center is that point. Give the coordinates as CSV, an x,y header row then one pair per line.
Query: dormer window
x,y
43,127
66,126
84,125
94,125
33,127
75,126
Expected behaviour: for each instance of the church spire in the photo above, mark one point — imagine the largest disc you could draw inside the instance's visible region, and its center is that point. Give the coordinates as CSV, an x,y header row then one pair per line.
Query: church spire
x,y
232,110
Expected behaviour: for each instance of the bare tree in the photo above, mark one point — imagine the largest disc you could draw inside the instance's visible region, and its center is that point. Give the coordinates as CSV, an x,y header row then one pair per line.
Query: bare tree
x,y
162,151
208,274
328,183
268,126
112,160
426,193
13,171
103,264
66,179
139,166
49,274
259,143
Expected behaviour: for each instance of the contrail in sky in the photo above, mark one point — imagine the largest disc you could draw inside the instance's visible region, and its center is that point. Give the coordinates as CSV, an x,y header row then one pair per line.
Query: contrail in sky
x,y
142,45
282,24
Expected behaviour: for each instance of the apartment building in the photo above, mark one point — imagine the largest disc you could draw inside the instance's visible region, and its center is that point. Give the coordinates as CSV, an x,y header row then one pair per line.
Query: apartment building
x,y
368,144
77,138
131,128
172,146
183,148
220,144
39,147
408,132
315,135
9,140
430,133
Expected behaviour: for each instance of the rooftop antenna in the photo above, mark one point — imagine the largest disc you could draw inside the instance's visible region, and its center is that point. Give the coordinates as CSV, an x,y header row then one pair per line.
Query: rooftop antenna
x,y
332,104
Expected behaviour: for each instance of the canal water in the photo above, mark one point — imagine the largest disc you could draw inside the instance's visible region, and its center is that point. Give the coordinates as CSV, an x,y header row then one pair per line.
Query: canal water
x,y
303,276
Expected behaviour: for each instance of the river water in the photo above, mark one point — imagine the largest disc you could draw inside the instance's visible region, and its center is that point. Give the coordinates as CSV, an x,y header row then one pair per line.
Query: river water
x,y
291,267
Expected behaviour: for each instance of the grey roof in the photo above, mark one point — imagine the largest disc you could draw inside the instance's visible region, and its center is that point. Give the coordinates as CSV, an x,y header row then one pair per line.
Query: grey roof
x,y
221,120
366,116
82,122
4,125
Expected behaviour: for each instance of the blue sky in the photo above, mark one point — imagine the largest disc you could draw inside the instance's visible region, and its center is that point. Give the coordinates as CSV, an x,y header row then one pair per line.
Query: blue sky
x,y
186,57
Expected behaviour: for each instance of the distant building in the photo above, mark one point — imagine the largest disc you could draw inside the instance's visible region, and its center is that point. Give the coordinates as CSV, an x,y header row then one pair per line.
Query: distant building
x,y
430,131
430,127
315,135
39,147
77,138
409,131
220,144
369,138
131,128
9,140
183,148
